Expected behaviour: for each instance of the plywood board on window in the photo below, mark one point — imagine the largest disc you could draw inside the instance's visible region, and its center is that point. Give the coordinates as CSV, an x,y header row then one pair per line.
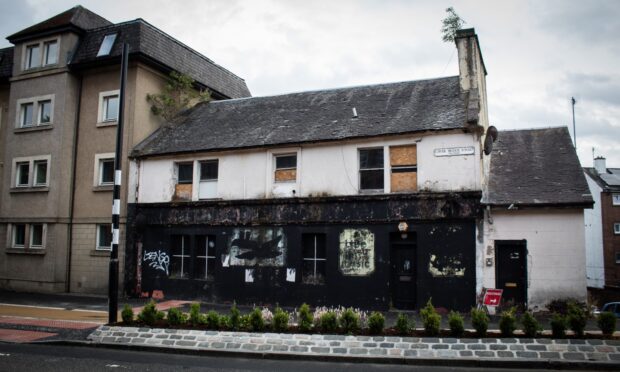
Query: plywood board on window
x,y
183,192
403,155
404,181
284,175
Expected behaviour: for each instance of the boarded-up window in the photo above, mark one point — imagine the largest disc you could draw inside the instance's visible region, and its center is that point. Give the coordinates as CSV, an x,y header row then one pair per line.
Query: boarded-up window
x,y
404,161
185,178
286,168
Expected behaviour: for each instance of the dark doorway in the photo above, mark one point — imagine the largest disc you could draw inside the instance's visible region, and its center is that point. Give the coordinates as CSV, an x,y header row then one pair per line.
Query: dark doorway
x,y
511,271
403,266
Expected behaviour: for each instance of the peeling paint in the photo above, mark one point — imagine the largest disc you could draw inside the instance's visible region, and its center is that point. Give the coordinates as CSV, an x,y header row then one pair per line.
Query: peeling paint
x,y
357,252
442,266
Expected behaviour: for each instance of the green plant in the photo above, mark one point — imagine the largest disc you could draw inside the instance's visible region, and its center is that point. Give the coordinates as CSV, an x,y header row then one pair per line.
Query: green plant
x,y
328,322
508,322
450,25
127,314
176,317
195,317
376,323
457,325
212,320
149,314
403,325
235,316
304,318
224,322
577,318
430,319
606,321
531,327
244,322
177,95
257,323
558,325
349,321
480,321
280,320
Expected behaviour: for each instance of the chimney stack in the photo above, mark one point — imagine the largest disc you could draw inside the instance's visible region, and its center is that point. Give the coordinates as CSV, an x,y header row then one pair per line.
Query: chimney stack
x,y
599,165
472,76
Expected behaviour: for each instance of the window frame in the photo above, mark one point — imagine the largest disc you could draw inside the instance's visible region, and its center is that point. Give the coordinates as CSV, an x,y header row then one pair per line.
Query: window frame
x,y
41,62
196,256
208,181
276,169
616,228
102,52
98,232
361,170
314,259
178,166
46,45
185,256
30,161
35,172
29,58
14,236
28,236
102,114
37,104
97,176
615,199
102,164
19,173
31,245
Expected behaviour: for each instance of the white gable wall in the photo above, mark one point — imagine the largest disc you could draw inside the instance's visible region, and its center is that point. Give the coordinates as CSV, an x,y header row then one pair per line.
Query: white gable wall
x,y
595,264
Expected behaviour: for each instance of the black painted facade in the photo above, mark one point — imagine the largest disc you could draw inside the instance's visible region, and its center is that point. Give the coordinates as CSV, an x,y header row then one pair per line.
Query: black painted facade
x,y
439,245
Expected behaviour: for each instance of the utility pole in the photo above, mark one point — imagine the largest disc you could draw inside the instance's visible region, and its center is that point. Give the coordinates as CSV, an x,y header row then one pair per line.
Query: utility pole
x,y
574,131
116,203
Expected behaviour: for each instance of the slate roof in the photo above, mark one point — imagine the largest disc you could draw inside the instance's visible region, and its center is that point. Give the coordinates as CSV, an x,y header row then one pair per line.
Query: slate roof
x,y
316,116
536,167
150,42
6,63
76,17
609,181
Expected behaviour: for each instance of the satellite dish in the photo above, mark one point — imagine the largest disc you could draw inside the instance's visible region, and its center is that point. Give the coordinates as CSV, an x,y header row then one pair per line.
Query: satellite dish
x,y
490,138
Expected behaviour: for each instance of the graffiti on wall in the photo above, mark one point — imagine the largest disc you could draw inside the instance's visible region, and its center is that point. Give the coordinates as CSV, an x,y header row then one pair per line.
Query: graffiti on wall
x,y
357,252
158,260
257,247
444,266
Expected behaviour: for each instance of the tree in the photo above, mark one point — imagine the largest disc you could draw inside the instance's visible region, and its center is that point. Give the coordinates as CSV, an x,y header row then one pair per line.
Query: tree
x,y
450,25
178,94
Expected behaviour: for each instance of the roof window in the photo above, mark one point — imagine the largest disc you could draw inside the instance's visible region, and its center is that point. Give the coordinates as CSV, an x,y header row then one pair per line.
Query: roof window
x,y
106,45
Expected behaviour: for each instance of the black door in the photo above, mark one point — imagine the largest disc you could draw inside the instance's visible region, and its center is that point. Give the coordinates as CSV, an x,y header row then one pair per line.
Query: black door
x,y
511,271
403,264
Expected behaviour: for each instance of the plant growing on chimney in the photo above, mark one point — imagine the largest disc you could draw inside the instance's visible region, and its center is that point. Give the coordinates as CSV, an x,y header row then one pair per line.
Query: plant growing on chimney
x,y
450,25
178,94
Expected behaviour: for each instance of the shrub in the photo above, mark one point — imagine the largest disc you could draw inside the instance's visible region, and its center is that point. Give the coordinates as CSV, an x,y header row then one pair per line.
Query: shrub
x,y
224,322
244,322
508,322
149,314
127,314
561,306
376,323
328,322
176,317
577,318
606,321
531,327
257,323
430,319
480,321
235,316
457,325
403,325
195,317
558,325
349,321
304,318
280,320
212,320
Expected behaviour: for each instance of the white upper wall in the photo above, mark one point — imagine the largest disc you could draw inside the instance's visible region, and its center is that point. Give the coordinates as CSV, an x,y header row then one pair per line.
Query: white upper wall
x,y
330,169
593,219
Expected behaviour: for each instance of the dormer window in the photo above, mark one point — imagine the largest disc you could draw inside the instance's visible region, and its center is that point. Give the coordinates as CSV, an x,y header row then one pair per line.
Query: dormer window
x,y
106,45
33,56
41,54
51,52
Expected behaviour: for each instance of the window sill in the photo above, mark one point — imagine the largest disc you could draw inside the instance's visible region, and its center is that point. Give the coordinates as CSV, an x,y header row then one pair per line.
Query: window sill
x,y
17,190
34,252
100,253
35,128
30,70
372,192
107,124
103,188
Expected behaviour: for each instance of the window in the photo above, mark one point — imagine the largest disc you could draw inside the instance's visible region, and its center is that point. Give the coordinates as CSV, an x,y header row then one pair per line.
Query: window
x,y
371,169
104,237
185,179
286,168
204,266
33,56
106,172
23,174
403,161
51,52
27,236
615,199
180,260
618,257
106,45
314,258
40,173
110,108
208,179
35,111
186,173
19,235
617,228
36,236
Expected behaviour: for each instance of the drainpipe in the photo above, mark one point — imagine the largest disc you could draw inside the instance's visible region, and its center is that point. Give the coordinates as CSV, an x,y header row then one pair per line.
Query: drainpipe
x,y
73,181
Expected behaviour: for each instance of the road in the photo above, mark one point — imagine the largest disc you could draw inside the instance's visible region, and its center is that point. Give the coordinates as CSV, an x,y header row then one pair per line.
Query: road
x,y
41,357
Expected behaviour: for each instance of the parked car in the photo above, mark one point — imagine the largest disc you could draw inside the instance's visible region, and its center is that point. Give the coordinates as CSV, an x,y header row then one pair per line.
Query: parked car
x,y
612,307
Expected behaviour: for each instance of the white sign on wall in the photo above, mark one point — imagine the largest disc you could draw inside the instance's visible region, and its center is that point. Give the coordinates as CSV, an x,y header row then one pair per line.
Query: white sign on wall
x,y
454,151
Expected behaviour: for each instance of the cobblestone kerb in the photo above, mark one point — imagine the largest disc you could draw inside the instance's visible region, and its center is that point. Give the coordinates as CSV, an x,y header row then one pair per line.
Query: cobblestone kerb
x,y
562,350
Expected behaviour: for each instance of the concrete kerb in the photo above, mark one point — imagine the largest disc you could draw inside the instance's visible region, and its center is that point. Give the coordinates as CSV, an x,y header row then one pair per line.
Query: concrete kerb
x,y
522,353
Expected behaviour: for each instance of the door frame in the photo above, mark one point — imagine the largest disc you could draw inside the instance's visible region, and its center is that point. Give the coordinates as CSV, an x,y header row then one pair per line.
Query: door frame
x,y
522,242
411,240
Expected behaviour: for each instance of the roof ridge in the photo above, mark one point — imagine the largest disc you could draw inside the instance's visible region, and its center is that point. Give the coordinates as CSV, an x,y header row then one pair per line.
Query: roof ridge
x,y
534,128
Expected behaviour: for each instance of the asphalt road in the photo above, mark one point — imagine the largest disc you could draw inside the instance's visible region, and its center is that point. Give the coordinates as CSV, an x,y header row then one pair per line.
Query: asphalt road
x,y
41,357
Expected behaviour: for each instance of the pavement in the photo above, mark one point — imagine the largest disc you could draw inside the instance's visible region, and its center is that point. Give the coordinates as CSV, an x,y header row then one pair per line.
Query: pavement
x,y
80,320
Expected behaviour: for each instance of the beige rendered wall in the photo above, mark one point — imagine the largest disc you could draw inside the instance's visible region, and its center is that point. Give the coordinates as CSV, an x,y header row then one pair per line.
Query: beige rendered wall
x,y
556,260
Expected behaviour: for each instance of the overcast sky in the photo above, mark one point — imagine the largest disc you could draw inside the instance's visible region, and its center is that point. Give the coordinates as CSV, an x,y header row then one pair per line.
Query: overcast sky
x,y
537,53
